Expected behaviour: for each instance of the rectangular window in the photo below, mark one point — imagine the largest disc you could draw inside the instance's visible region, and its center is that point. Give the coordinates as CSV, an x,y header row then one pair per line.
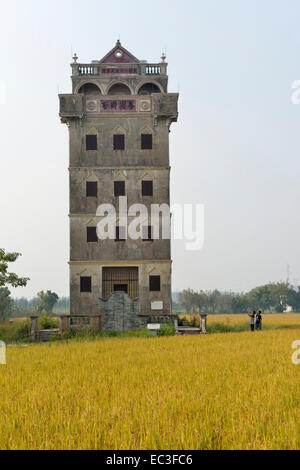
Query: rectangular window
x,y
148,234
91,142
85,284
147,188
92,236
119,188
120,234
91,189
154,283
119,142
146,141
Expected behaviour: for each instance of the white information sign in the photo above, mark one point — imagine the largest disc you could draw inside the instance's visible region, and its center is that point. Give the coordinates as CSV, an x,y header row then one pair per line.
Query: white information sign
x,y
2,353
157,305
153,326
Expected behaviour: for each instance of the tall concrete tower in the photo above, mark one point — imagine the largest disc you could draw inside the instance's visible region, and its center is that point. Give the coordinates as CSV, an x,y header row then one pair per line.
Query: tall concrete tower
x,y
119,116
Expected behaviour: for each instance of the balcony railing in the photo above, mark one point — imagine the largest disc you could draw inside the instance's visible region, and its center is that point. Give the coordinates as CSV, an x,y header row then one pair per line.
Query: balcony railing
x,y
153,70
88,70
115,69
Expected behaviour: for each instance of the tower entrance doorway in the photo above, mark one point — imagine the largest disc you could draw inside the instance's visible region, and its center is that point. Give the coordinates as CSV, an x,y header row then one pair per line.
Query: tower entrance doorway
x,y
120,280
121,288
120,299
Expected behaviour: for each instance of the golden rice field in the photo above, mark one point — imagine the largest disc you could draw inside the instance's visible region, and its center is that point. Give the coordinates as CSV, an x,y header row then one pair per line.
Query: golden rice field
x,y
223,391
270,321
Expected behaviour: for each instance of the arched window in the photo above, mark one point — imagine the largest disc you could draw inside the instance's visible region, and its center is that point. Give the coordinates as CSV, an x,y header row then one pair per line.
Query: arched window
x,y
119,89
149,88
89,89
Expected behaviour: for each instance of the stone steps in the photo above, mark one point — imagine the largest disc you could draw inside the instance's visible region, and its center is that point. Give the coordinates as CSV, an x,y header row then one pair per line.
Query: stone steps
x,y
185,330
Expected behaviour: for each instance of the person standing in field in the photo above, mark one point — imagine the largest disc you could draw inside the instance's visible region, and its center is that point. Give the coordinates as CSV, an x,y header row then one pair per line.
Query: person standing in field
x,y
259,321
252,318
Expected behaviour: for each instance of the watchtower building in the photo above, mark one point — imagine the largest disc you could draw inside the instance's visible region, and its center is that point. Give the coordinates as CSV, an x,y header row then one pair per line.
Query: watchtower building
x,y
119,116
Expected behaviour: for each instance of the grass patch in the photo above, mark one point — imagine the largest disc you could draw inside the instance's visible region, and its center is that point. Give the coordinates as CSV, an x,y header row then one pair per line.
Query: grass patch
x,y
225,328
15,331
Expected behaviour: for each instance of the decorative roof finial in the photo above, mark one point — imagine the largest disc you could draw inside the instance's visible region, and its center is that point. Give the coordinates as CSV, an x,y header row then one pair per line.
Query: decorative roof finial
x,y
163,58
75,58
119,42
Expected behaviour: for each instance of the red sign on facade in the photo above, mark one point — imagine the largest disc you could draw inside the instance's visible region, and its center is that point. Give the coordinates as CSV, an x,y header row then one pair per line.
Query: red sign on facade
x,y
113,106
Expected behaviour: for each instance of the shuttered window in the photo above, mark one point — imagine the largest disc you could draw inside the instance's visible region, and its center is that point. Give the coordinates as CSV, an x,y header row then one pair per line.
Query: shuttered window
x,y
91,142
85,284
146,141
147,188
154,283
91,233
119,142
91,189
119,188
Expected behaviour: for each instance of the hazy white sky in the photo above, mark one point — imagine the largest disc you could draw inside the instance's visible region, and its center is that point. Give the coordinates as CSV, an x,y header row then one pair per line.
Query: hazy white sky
x,y
235,148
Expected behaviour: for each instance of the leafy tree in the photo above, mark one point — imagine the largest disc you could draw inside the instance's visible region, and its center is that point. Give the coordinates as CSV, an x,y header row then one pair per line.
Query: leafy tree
x,y
240,304
279,295
22,302
259,298
46,301
7,278
294,299
272,297
213,300
6,303
186,299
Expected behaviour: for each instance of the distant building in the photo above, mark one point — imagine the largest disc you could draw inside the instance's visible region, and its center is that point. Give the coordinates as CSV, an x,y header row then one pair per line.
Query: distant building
x,y
119,116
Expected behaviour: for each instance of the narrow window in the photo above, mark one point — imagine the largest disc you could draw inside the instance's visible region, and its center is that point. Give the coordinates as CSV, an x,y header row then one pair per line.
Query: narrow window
x,y
120,234
119,142
91,233
154,283
147,188
91,142
119,188
85,284
148,234
91,189
146,141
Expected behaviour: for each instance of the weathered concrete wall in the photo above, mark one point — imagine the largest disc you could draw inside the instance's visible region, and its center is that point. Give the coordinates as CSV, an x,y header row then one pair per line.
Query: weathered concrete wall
x,y
88,303
105,250
80,204
164,270
105,127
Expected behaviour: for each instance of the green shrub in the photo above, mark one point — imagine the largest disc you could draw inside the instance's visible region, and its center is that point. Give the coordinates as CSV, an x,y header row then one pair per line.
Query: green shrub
x,y
79,334
182,320
15,332
22,332
167,330
2,333
47,323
